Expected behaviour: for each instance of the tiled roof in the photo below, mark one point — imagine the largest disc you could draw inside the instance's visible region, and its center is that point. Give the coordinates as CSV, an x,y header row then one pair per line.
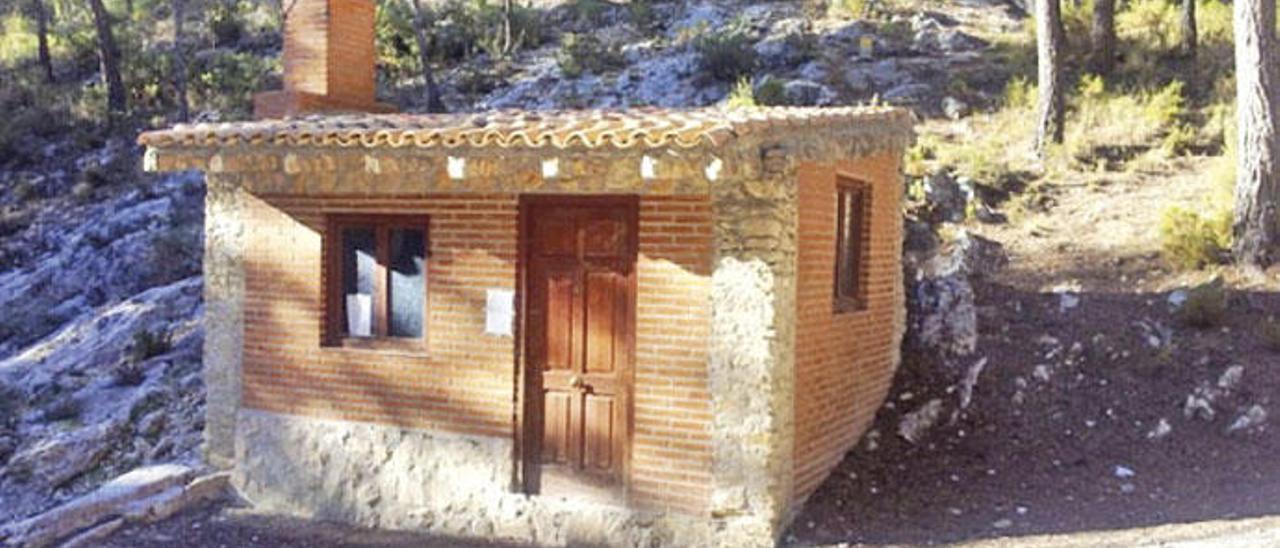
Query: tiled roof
x,y
644,127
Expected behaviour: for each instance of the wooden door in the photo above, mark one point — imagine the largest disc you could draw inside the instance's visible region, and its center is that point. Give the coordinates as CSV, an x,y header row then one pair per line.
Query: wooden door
x,y
579,285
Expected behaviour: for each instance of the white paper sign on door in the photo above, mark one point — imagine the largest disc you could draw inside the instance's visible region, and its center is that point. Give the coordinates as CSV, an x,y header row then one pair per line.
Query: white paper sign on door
x,y
499,312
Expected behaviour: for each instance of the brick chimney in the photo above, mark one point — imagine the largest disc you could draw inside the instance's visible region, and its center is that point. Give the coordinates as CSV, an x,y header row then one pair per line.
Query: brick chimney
x,y
328,60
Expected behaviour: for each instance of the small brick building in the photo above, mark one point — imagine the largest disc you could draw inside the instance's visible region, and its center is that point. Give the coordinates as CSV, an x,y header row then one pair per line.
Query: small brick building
x,y
620,327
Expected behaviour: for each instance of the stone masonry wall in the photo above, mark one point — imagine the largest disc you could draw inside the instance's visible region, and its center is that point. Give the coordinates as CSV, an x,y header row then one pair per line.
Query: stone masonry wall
x,y
405,478
223,315
752,346
844,360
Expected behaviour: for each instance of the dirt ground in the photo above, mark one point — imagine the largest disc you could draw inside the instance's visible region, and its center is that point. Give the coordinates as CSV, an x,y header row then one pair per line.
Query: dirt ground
x,y
227,525
1059,446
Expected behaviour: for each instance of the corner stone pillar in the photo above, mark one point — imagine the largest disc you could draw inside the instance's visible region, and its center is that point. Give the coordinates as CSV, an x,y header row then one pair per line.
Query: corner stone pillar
x,y
223,315
751,368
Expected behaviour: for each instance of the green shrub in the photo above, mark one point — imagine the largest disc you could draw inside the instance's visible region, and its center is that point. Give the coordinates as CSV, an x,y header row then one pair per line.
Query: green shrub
x,y
1019,93
1152,23
1165,106
1270,331
225,24
13,401
1190,239
83,191
856,9
643,17
226,80
64,409
171,254
726,54
1206,305
581,53
742,95
770,92
25,191
128,373
592,13
148,344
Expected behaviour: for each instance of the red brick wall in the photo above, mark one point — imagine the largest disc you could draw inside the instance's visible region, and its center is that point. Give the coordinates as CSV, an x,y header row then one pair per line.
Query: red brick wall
x,y
671,451
329,49
844,360
466,384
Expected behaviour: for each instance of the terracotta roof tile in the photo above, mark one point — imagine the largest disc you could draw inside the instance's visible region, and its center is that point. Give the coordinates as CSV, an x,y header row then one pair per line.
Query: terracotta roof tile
x,y
644,127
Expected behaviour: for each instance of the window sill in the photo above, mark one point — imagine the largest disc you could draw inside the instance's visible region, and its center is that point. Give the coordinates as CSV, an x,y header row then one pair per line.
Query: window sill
x,y
412,347
849,306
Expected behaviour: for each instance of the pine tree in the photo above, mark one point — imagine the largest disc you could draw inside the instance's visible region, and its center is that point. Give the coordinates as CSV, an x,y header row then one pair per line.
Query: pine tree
x,y
108,58
1049,41
1256,229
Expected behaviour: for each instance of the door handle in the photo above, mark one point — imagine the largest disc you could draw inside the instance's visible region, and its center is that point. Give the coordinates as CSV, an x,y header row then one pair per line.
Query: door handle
x,y
575,382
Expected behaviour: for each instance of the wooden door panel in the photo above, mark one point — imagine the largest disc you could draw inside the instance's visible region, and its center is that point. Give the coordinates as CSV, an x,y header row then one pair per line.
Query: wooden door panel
x,y
555,234
605,237
558,342
598,419
558,418
602,321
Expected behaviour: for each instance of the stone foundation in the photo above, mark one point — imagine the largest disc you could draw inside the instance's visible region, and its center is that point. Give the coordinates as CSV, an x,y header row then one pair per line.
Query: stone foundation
x,y
394,478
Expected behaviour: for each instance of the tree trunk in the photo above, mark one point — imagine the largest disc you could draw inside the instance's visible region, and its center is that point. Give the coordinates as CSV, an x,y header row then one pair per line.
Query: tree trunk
x,y
1103,35
1052,109
1256,229
1189,38
506,27
42,39
108,58
180,61
420,24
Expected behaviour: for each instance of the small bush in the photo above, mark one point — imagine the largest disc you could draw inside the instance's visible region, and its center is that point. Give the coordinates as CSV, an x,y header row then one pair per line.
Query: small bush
x,y
727,54
224,22
770,92
128,373
65,409
1271,333
1195,237
581,53
643,17
173,254
148,344
1019,93
82,191
25,191
13,401
856,9
1206,305
1189,239
742,95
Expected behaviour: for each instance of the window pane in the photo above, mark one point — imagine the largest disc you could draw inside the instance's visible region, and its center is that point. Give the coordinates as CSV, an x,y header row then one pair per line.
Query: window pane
x,y
407,287
850,243
359,259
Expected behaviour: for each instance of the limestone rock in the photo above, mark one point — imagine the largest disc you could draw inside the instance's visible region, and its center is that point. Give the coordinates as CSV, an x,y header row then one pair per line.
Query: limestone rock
x,y
807,93
109,501
916,424
59,460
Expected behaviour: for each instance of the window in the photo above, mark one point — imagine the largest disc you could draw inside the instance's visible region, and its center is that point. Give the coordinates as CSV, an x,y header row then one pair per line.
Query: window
x,y
852,207
377,278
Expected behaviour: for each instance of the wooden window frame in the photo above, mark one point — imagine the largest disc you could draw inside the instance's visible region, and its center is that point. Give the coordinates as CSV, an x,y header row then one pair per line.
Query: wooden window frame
x,y
335,312
855,299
